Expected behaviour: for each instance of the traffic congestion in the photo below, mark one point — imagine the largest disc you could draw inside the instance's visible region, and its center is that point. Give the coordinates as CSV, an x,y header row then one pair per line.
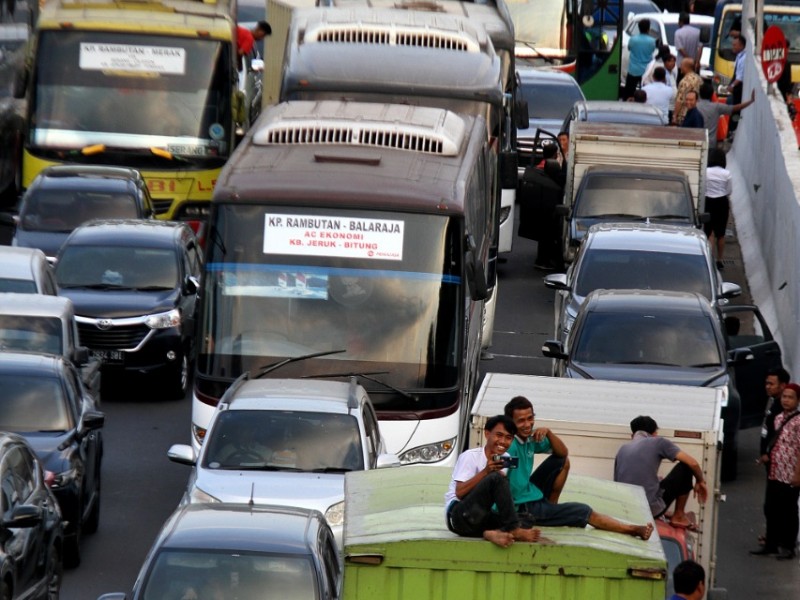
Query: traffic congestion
x,y
272,273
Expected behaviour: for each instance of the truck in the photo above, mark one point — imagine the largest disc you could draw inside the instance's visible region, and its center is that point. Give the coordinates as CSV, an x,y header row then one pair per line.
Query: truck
x,y
396,545
593,417
46,325
621,172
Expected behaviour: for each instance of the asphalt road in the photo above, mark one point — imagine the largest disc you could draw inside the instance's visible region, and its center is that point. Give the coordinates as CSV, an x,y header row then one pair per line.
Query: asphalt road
x,y
141,487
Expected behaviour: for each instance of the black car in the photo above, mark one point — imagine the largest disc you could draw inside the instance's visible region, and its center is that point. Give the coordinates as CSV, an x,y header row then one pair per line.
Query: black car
x,y
664,337
31,533
63,197
134,287
44,401
240,551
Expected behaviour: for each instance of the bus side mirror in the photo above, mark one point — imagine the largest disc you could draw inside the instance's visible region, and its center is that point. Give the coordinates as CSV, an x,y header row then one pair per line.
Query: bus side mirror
x,y
476,277
509,162
523,117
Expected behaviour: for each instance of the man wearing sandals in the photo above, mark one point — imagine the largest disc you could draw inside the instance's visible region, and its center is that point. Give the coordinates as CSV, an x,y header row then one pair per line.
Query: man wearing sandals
x,y
637,463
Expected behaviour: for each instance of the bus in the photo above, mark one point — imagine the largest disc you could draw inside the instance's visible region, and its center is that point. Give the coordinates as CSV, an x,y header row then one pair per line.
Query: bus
x,y
148,84
353,239
785,15
582,37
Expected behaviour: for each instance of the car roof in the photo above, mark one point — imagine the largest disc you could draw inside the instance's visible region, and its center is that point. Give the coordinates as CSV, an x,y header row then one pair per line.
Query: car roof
x,y
128,232
656,301
225,526
672,17
16,262
30,363
646,238
543,75
293,394
36,305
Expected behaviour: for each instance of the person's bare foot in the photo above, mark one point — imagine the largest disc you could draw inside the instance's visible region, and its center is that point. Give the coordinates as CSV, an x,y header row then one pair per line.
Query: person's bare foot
x,y
500,538
526,535
644,531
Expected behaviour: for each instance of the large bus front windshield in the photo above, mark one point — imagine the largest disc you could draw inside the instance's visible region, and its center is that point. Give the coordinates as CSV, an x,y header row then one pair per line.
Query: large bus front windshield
x,y
132,92
385,288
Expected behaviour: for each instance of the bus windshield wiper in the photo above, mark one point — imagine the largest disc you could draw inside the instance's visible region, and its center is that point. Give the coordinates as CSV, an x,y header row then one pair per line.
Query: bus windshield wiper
x,y
366,376
269,368
532,46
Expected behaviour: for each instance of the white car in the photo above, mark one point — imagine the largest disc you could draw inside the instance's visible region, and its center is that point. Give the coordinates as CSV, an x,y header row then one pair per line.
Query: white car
x,y
663,27
286,442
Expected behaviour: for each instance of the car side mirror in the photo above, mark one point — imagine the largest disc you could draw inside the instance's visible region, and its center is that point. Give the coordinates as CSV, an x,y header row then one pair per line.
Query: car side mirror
x,y
739,356
730,290
556,281
191,285
23,516
92,420
554,349
80,356
182,454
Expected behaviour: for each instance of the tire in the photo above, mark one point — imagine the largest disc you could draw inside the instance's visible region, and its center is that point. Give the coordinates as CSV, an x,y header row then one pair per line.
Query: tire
x,y
55,571
177,380
72,549
93,520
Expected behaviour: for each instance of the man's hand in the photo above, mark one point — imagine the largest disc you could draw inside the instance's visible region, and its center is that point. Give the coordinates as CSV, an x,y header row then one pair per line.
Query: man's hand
x,y
540,434
701,492
763,459
795,482
493,465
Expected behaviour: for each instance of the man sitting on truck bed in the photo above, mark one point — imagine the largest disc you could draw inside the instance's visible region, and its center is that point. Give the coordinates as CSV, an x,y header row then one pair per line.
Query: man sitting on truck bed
x,y
479,483
530,499
637,463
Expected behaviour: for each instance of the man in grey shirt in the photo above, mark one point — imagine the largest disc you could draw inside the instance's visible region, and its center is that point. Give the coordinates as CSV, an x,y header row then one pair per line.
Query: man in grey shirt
x,y
637,463
687,41
712,111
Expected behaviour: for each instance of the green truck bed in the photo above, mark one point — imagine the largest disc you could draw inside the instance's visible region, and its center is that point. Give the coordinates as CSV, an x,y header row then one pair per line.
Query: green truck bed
x,y
396,545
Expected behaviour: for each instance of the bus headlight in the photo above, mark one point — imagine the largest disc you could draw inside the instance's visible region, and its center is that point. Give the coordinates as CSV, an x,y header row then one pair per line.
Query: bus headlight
x,y
429,453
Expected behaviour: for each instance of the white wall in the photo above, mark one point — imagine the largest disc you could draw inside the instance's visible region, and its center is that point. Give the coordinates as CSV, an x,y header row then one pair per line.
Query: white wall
x,y
765,163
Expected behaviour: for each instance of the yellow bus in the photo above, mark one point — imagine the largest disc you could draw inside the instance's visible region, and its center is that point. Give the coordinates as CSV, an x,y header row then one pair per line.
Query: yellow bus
x,y
148,84
784,14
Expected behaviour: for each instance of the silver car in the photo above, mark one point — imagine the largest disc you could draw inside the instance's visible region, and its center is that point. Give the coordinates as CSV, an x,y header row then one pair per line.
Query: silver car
x,y
637,256
286,442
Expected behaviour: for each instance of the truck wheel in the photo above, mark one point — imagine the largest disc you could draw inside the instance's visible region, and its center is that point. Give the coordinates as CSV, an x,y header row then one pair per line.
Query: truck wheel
x,y
730,459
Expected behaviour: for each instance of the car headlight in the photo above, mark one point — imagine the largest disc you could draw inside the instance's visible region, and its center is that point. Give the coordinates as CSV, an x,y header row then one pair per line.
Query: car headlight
x,y
430,453
335,514
198,495
164,320
64,479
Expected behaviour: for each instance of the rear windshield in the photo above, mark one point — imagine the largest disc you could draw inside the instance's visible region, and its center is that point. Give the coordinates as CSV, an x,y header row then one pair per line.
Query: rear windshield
x,y
30,334
32,404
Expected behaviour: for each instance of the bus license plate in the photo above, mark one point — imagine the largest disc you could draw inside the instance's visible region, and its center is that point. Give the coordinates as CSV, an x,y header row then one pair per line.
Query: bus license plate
x,y
110,357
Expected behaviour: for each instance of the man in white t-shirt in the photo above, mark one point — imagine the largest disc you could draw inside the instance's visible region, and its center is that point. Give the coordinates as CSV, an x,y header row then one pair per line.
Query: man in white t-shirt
x,y
479,484
659,92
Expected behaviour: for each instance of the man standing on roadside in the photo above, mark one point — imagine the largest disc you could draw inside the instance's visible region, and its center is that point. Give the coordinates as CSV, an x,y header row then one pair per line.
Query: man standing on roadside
x,y
774,385
739,43
659,93
712,111
691,82
641,48
692,118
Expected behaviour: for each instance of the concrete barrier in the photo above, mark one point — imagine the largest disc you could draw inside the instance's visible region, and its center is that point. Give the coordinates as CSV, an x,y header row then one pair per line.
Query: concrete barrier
x,y
765,163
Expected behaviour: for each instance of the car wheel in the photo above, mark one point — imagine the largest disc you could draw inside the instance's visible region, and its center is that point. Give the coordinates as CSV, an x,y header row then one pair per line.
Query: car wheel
x,y
178,379
54,574
72,548
93,520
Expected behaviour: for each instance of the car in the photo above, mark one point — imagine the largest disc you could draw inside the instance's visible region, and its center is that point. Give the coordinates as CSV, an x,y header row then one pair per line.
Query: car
x,y
286,442
31,530
44,401
654,336
663,26
63,197
240,552
134,285
26,271
637,256
46,325
609,111
635,7
549,94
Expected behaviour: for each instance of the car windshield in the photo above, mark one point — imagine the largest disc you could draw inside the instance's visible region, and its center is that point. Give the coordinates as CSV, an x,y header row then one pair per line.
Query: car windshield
x,y
30,334
271,439
17,286
221,575
117,266
638,197
636,269
31,403
64,210
550,100
659,339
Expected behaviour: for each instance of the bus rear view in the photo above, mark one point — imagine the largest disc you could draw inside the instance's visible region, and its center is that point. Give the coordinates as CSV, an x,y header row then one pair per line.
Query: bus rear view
x,y
351,238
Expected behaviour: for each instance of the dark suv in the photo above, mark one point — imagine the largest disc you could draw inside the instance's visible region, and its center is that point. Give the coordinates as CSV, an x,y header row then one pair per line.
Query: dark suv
x,y
134,286
61,198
